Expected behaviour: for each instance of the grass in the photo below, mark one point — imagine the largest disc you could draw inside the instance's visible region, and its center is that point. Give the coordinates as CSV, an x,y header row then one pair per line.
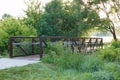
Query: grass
x,y
38,71
1,56
43,71
4,55
62,64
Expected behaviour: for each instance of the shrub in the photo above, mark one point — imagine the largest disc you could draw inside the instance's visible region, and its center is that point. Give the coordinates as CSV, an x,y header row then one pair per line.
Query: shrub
x,y
70,61
92,63
116,44
56,47
117,53
53,52
64,58
113,68
86,76
107,54
49,58
110,54
13,27
102,75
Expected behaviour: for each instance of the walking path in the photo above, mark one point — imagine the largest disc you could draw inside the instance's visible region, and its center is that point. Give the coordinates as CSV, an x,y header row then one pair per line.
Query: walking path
x,y
18,61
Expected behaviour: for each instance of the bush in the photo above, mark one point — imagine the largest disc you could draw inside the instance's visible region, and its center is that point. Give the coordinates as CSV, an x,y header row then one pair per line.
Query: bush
x,y
102,75
86,76
91,63
61,55
50,57
52,52
64,58
70,61
116,44
111,53
113,68
107,54
13,27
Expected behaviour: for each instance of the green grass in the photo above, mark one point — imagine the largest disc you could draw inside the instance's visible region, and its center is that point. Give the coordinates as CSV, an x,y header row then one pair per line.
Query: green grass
x,y
0,56
61,64
43,71
39,71
4,55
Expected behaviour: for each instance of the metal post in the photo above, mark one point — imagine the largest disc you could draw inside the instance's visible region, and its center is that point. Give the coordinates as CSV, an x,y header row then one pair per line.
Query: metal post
x,y
41,47
33,45
11,47
90,43
102,43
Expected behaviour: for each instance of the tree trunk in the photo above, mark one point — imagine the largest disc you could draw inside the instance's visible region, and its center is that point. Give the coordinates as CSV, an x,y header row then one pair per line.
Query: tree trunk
x,y
114,36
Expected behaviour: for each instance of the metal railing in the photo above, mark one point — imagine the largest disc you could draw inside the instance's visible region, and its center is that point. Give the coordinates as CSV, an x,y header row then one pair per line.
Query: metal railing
x,y
83,44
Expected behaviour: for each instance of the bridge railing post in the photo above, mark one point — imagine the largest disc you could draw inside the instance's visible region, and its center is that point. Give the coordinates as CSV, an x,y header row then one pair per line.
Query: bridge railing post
x,y
41,46
101,43
33,40
11,47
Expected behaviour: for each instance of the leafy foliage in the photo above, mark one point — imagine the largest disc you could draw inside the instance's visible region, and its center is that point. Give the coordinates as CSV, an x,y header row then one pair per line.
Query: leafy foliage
x,y
65,65
102,75
33,14
52,18
64,58
13,27
111,53
112,17
114,69
116,44
62,18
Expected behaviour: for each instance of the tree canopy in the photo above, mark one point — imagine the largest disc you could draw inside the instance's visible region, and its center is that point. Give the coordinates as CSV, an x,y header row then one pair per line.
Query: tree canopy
x,y
13,27
69,18
110,8
62,18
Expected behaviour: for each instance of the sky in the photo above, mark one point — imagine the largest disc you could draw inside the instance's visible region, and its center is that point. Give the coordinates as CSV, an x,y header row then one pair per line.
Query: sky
x,y
14,7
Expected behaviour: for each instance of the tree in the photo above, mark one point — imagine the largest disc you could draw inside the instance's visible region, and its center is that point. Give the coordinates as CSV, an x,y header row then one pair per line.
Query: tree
x,y
13,27
53,17
81,19
6,15
69,18
111,10
72,18
33,14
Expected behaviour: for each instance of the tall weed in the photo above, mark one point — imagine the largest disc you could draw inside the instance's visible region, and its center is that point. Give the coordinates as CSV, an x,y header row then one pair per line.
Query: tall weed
x,y
64,58
91,63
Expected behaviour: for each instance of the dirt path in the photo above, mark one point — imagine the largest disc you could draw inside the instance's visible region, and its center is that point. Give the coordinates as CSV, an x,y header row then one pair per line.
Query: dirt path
x,y
18,61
